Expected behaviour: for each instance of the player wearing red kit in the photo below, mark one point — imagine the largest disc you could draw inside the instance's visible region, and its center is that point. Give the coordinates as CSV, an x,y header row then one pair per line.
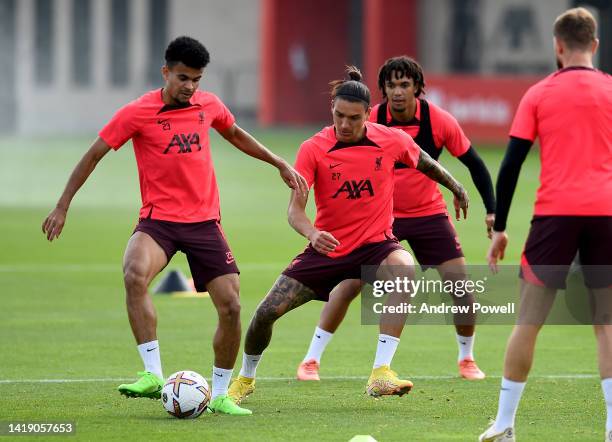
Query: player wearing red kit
x,y
169,128
419,209
570,111
351,167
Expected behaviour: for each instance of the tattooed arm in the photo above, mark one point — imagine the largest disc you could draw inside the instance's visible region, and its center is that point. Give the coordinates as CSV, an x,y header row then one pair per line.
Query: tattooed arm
x,y
436,172
284,296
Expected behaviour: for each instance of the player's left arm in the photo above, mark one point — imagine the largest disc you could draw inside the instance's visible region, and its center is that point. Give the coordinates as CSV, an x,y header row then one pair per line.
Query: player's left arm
x,y
245,142
482,180
436,172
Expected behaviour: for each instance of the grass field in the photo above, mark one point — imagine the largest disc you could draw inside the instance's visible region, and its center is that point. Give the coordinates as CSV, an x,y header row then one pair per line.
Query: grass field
x,y
63,318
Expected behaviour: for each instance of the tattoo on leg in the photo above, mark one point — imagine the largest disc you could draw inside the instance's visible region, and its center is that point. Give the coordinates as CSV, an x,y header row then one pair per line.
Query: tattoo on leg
x,y
284,296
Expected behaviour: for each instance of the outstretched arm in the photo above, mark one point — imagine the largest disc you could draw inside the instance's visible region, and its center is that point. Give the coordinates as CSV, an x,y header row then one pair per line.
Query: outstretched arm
x,y
244,141
323,242
482,181
436,172
54,223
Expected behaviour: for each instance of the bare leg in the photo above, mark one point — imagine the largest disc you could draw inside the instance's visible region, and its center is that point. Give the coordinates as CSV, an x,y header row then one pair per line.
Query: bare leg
x,y
284,296
143,259
224,292
398,264
536,302
602,321
335,309
455,270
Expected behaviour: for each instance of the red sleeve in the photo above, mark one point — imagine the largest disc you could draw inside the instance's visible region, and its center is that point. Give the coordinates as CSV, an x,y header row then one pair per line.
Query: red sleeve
x,y
408,151
121,127
525,124
306,162
448,133
224,118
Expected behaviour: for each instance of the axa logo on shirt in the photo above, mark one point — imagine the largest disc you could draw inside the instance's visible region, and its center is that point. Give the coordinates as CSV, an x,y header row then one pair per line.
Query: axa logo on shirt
x,y
183,143
354,189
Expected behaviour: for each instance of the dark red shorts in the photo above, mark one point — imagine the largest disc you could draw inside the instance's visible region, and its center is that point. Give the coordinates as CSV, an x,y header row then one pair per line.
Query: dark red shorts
x,y
321,274
555,241
432,238
204,243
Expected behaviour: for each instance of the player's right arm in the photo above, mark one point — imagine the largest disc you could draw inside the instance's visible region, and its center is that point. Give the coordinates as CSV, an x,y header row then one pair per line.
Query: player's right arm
x,y
522,135
306,165
323,242
54,223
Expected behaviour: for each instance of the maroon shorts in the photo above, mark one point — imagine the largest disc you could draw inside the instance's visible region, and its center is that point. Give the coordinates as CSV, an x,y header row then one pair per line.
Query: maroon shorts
x,y
432,238
552,245
321,274
204,243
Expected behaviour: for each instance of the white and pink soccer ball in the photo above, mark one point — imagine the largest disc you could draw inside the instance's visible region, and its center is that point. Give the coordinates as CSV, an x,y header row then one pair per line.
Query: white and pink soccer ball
x,y
185,394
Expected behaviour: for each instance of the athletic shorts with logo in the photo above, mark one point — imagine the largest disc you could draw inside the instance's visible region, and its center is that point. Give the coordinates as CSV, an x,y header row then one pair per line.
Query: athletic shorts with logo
x,y
321,274
204,243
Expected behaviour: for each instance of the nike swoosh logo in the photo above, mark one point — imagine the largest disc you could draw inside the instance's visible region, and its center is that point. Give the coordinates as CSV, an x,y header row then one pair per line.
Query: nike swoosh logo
x,y
332,166
380,340
220,375
318,336
151,349
505,389
463,343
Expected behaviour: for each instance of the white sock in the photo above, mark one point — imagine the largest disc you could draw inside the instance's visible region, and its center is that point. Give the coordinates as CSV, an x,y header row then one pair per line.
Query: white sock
x,y
466,347
249,365
320,339
606,386
385,350
509,398
149,353
221,378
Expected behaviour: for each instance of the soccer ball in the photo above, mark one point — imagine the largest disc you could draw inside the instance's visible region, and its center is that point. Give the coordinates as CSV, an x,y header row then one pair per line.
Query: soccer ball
x,y
185,394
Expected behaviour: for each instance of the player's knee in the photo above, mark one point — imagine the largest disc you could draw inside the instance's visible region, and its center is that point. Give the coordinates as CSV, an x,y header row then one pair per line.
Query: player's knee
x,y
135,279
229,310
264,315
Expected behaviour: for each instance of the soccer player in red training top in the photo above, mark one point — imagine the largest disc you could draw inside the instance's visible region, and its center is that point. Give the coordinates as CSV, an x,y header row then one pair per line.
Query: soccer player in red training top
x,y
570,111
351,165
180,208
420,213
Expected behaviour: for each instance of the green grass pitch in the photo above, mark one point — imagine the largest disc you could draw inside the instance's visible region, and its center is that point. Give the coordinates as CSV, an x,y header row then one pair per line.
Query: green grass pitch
x,y
62,317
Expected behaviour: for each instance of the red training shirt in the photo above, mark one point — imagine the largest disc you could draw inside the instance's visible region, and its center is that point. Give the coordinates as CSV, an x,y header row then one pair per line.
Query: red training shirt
x,y
353,182
415,193
172,148
571,112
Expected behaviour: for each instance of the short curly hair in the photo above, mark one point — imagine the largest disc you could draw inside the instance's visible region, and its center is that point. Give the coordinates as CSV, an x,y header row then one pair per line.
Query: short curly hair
x,y
401,66
188,51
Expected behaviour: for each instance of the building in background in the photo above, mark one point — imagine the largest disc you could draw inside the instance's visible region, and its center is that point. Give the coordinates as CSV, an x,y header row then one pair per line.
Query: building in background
x,y
69,64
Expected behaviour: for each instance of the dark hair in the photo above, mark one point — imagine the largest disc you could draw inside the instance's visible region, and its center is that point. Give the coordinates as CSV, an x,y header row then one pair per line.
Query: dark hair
x,y
576,28
188,51
403,66
352,88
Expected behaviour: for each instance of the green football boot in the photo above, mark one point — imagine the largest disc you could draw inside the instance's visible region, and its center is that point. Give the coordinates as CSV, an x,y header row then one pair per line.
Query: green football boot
x,y
226,405
149,386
